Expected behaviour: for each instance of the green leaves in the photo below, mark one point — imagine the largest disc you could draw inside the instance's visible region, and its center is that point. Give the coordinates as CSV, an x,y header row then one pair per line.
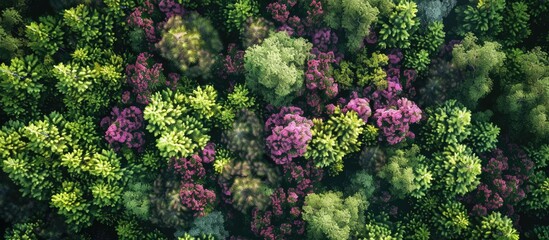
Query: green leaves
x,y
496,226
274,69
45,36
396,31
456,169
334,139
178,120
21,87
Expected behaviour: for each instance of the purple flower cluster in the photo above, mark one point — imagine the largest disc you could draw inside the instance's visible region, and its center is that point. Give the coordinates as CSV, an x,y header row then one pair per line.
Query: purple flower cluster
x,y
290,133
280,10
135,19
395,122
283,220
361,106
195,197
503,183
319,82
282,202
233,62
124,128
170,8
142,77
193,166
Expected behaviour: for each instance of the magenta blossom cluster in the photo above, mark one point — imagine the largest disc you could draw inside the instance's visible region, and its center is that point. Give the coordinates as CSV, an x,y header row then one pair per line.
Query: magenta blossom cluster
x,y
170,8
195,197
290,133
136,19
394,122
233,62
283,220
142,77
319,82
192,195
284,206
124,128
361,106
292,24
191,167
503,183
324,41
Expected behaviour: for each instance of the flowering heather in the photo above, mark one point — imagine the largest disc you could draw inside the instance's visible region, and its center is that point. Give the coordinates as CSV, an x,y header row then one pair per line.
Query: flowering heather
x,y
395,122
360,106
195,197
136,19
143,78
124,128
290,133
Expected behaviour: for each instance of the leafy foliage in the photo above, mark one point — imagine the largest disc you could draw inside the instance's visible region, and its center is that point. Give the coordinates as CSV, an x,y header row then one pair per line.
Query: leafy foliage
x,y
274,68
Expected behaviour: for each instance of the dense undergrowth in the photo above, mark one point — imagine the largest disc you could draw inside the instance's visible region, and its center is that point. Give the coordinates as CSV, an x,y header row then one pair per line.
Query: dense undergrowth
x,y
274,119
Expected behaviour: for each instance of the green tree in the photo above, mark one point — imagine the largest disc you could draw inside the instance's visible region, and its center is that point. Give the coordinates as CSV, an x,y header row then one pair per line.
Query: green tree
x,y
275,69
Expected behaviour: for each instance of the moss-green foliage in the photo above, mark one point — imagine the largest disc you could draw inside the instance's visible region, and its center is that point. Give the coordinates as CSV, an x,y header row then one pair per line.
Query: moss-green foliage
x,y
22,231
495,226
451,220
354,17
136,199
182,121
476,62
484,136
481,17
21,87
275,69
88,83
515,23
240,98
379,227
10,44
396,30
456,170
245,137
211,224
330,216
447,124
131,230
369,70
237,12
334,139
407,172
525,100
191,44
50,162
254,31
425,43
45,35
434,10
362,183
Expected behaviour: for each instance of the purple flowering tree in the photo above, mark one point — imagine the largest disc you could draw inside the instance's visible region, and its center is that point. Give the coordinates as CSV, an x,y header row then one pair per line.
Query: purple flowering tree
x,y
282,219
503,182
394,122
143,78
124,128
361,106
290,133
192,194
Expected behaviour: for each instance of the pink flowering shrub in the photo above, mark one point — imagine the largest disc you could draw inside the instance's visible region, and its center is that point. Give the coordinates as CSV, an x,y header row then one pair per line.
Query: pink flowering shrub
x,y
170,8
191,194
283,220
124,128
136,19
143,78
195,197
361,106
319,82
193,166
233,62
394,122
290,133
503,183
